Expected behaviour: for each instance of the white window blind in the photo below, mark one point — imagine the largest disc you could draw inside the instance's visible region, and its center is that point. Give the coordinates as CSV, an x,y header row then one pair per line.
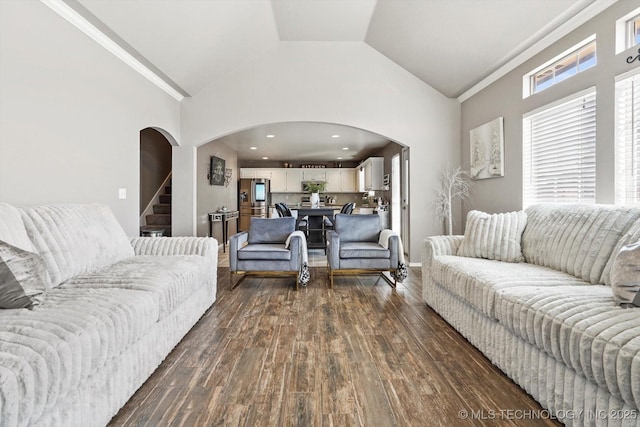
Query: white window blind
x,y
628,139
559,151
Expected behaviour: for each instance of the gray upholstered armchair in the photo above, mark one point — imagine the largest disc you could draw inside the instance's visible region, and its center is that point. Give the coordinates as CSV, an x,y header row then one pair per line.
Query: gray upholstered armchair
x,y
358,245
262,251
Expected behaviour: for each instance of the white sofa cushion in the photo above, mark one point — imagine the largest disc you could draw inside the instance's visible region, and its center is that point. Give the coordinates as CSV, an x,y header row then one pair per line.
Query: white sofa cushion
x,y
583,328
625,276
479,281
75,239
494,236
12,228
22,277
577,239
171,279
48,353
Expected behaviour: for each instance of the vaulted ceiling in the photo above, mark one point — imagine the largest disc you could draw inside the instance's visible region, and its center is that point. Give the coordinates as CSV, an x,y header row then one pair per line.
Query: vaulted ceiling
x,y
449,44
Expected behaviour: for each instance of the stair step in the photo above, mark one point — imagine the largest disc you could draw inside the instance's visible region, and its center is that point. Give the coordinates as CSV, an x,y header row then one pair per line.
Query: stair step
x,y
165,198
162,208
167,189
166,229
159,219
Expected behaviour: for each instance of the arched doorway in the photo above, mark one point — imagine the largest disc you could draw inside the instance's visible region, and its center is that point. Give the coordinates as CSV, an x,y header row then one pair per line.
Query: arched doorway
x,y
155,181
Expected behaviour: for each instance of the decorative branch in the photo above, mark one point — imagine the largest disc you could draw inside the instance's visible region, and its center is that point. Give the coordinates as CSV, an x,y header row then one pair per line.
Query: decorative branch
x,y
454,183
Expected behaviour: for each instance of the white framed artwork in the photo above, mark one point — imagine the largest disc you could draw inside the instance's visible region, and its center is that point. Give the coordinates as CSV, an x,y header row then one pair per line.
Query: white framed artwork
x,y
487,150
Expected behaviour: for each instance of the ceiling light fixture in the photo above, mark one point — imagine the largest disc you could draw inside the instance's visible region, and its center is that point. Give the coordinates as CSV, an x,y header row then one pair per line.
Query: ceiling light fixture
x,y
335,136
271,136
253,148
339,158
81,23
345,148
265,158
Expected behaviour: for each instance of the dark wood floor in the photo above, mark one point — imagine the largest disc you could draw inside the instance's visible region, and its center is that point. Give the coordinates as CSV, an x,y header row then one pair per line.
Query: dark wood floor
x,y
360,354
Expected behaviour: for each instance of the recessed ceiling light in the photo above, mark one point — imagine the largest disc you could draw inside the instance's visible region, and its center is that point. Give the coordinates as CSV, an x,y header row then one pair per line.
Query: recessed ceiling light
x,y
345,148
271,136
265,158
253,148
335,136
339,158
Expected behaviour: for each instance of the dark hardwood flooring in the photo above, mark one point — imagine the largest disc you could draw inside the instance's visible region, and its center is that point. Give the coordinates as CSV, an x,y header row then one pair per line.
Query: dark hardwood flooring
x,y
360,354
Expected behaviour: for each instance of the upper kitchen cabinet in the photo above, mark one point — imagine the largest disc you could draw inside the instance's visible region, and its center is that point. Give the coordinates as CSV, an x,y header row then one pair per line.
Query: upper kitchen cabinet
x,y
373,173
341,181
282,180
314,175
279,181
294,180
255,173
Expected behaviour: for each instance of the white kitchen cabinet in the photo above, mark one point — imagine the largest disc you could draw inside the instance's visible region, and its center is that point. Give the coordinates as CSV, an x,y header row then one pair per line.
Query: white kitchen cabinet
x,y
373,173
348,181
365,211
294,180
334,181
247,173
314,175
255,173
263,173
289,180
279,181
342,181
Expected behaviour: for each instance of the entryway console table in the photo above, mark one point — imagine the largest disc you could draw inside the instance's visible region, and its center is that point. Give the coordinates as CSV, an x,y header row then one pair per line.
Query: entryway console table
x,y
224,217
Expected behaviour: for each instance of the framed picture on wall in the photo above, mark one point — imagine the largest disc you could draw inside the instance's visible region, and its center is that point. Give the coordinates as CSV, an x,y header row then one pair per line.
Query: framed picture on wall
x,y
216,171
487,150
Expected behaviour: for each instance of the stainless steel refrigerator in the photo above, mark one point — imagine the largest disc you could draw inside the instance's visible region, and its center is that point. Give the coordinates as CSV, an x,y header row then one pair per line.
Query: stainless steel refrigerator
x,y
254,198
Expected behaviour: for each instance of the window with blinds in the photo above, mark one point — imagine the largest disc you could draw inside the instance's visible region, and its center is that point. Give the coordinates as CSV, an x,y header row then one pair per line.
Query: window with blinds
x,y
628,139
559,151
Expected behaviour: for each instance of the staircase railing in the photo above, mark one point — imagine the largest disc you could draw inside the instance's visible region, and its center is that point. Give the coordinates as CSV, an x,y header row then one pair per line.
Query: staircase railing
x,y
154,200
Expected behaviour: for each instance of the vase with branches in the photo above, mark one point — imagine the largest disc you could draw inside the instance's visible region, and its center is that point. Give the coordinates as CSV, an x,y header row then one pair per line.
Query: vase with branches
x,y
454,184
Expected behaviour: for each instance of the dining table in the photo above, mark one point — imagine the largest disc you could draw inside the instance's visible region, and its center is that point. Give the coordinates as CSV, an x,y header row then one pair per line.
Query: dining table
x,y
314,229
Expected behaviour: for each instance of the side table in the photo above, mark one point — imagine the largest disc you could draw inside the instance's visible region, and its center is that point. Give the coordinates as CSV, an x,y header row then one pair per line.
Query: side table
x,y
224,217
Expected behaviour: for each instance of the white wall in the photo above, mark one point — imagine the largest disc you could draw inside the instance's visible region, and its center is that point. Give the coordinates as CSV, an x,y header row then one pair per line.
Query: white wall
x,y
504,98
344,83
70,115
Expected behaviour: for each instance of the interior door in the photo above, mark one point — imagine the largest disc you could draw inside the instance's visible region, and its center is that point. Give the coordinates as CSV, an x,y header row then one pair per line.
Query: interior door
x,y
396,195
405,201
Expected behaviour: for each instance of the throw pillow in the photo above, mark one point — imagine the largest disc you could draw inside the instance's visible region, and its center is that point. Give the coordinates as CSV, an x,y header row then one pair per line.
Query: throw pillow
x,y
625,276
22,277
494,236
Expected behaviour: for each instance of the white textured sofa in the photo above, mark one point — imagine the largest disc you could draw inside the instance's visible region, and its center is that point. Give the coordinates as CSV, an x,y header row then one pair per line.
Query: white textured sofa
x,y
550,323
113,309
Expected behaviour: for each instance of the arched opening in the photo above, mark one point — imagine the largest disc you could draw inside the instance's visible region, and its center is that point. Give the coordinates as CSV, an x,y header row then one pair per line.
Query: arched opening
x,y
292,145
155,181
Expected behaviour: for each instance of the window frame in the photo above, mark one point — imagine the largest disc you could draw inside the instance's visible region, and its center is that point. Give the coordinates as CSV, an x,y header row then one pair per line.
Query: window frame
x,y
528,80
625,34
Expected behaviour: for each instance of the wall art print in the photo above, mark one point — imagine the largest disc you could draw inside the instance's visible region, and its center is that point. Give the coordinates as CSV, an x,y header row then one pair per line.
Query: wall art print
x,y
216,171
487,150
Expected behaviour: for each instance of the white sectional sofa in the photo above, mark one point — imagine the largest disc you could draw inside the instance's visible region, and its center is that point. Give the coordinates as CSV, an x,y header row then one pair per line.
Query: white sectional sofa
x,y
111,310
550,323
